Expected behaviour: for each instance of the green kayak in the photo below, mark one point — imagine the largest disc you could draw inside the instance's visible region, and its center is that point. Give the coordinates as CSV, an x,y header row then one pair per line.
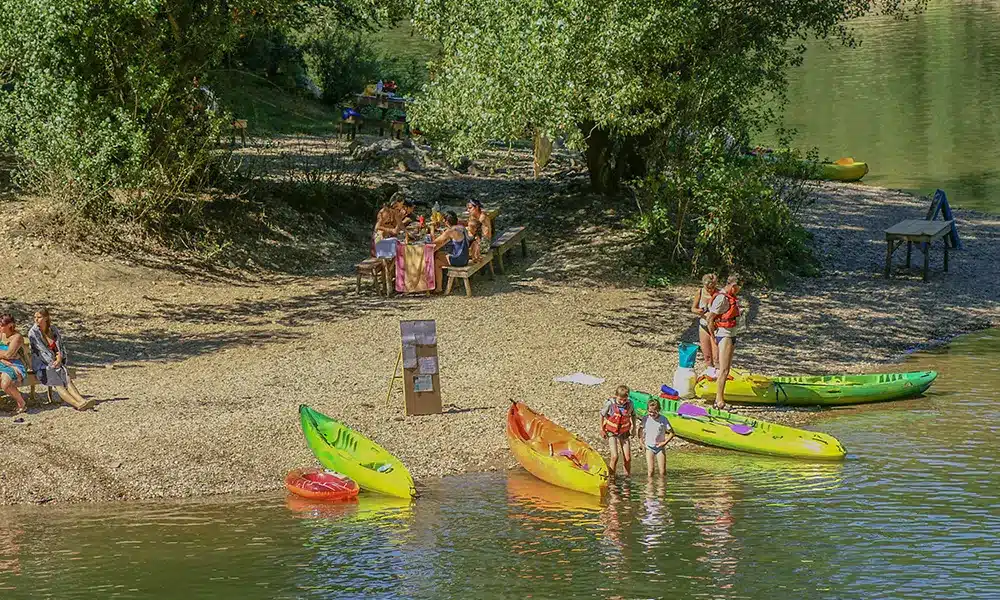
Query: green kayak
x,y
341,449
735,432
826,390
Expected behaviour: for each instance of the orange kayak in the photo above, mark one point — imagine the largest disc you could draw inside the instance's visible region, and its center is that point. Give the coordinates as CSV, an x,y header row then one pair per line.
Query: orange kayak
x,y
553,454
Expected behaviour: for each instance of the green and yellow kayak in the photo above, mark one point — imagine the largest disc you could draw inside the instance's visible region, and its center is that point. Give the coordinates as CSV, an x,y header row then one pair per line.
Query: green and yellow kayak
x,y
825,390
845,169
736,432
341,449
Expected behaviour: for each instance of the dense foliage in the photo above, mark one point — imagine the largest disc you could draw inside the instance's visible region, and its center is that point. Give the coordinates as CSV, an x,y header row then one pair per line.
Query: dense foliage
x,y
115,94
637,84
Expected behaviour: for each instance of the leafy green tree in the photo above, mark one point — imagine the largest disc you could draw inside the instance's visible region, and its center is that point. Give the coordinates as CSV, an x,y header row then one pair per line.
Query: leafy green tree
x,y
104,94
613,74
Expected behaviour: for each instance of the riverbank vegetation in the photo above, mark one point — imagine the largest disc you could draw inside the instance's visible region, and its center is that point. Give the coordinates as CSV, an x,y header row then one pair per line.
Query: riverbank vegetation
x,y
117,109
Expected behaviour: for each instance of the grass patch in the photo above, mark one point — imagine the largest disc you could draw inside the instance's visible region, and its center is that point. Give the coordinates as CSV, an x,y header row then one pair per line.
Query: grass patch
x,y
272,110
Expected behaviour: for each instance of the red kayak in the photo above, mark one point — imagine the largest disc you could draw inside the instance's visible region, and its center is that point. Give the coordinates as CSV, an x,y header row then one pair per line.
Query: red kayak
x,y
320,484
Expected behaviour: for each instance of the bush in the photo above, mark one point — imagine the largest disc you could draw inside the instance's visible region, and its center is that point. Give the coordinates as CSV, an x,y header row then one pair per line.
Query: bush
x,y
719,210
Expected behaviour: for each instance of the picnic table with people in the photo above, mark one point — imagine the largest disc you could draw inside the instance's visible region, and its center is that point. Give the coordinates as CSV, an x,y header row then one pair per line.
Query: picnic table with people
x,y
415,250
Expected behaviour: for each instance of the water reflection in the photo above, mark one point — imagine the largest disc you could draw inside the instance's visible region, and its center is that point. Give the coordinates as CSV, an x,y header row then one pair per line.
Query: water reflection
x,y
10,547
921,99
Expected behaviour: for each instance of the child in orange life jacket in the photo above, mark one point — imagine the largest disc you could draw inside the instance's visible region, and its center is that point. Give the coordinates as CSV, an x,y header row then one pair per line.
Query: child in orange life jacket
x,y
617,425
722,316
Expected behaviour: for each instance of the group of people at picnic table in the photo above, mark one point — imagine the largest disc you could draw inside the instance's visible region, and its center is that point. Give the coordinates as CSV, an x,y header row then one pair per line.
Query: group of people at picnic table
x,y
455,243
45,352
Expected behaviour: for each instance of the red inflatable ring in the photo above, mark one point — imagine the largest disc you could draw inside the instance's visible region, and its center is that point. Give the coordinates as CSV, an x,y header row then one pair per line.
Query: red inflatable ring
x,y
320,484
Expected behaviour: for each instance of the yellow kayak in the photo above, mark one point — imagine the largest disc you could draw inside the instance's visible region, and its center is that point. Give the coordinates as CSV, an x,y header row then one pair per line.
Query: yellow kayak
x,y
341,449
824,390
845,169
724,429
553,454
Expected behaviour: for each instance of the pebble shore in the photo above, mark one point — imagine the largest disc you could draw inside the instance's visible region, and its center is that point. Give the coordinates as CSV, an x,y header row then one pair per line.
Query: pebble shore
x,y
199,380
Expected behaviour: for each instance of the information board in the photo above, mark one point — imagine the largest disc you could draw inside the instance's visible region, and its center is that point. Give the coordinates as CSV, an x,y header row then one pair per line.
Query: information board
x,y
421,373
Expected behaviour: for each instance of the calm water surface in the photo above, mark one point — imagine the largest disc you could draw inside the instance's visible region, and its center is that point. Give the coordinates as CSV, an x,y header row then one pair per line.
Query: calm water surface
x,y
919,101
913,513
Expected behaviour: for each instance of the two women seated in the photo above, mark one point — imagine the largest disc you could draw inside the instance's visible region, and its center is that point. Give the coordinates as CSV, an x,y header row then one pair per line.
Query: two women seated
x,y
47,358
458,245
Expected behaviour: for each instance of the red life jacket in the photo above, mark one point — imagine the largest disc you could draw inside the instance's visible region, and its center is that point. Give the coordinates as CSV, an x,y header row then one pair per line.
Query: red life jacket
x,y
727,320
619,420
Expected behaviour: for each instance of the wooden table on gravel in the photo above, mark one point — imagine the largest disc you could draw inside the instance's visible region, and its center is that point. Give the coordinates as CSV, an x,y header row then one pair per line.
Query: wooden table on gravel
x,y
919,231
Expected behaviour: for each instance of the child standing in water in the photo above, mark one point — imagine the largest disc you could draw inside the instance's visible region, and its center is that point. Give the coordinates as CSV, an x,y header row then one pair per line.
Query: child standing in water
x,y
656,432
617,425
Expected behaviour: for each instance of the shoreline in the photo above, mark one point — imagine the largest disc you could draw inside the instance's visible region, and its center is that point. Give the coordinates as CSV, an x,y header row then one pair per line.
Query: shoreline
x,y
199,381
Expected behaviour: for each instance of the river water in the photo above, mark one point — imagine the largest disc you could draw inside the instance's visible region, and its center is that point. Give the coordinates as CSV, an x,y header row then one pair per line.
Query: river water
x,y
914,512
919,101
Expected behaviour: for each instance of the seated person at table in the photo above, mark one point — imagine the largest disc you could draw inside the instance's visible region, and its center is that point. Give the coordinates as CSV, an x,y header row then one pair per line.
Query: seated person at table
x,y
450,248
406,212
389,222
476,213
477,244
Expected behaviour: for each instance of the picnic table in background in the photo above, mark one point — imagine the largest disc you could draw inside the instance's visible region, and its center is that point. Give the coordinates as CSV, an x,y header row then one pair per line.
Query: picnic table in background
x,y
921,232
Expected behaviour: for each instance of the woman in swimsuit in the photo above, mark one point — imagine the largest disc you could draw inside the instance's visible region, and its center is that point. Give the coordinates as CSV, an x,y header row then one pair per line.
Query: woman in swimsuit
x,y
12,369
699,306
450,248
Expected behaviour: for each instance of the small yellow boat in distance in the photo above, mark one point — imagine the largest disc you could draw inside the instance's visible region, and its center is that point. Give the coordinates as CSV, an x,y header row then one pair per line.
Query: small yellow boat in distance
x,y
845,169
553,454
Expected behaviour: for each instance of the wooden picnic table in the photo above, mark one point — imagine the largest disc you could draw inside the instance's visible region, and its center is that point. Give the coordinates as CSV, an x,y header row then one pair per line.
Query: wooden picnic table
x,y
916,230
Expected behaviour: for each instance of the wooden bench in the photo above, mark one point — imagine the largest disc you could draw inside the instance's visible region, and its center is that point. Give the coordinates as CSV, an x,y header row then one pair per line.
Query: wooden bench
x,y
468,271
919,231
380,270
506,241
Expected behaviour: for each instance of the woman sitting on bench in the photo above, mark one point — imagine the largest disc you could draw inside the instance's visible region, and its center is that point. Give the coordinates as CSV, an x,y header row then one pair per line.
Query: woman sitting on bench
x,y
450,248
48,361
476,213
12,369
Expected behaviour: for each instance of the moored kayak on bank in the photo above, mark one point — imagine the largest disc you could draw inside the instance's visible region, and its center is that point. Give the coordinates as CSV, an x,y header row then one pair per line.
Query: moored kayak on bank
x,y
724,429
825,390
343,450
553,454
844,169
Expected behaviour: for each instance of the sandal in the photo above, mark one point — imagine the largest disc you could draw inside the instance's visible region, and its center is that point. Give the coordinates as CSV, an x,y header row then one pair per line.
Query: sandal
x,y
20,410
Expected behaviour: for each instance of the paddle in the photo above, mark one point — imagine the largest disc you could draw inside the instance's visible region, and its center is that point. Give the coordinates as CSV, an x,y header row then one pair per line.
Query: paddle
x,y
695,411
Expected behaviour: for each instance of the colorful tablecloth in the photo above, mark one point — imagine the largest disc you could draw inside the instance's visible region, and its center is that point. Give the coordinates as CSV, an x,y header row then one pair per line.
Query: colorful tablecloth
x,y
414,268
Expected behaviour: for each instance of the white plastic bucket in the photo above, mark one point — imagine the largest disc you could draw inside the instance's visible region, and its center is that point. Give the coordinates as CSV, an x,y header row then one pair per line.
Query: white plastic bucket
x,y
684,379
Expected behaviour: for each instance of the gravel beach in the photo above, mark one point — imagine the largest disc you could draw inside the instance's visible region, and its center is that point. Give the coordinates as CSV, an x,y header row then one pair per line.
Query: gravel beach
x,y
198,379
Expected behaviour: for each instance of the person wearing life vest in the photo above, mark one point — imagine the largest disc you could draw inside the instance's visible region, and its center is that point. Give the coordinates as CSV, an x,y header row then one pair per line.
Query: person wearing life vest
x,y
722,316
618,425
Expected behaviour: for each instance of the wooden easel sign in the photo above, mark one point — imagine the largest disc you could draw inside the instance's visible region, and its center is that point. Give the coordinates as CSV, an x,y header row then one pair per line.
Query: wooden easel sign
x,y
421,373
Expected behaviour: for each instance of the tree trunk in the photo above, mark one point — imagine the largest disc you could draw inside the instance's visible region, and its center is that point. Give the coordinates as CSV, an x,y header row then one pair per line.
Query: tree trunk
x,y
600,159
612,161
